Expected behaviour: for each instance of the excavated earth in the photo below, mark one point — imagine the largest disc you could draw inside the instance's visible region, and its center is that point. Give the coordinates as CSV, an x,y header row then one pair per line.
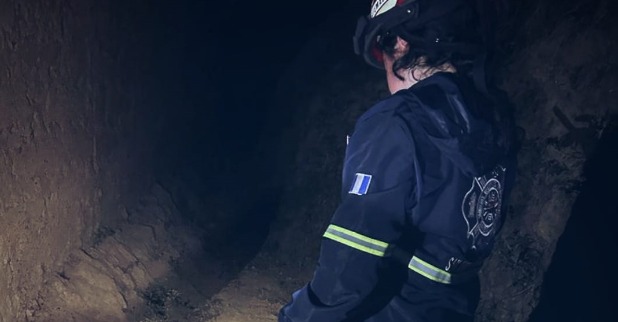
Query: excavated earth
x,y
150,174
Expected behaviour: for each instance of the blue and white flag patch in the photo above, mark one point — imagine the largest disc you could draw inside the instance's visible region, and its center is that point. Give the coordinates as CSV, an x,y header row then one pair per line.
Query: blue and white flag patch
x,y
361,184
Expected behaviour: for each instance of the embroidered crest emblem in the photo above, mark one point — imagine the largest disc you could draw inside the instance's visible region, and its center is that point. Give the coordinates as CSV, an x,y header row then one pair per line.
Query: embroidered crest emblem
x,y
481,207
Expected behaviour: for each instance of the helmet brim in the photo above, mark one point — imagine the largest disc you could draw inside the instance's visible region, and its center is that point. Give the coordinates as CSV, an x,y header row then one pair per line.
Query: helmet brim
x,y
368,30
365,42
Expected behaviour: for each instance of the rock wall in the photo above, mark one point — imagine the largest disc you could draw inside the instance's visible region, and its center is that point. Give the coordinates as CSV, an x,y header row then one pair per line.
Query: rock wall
x,y
561,75
76,104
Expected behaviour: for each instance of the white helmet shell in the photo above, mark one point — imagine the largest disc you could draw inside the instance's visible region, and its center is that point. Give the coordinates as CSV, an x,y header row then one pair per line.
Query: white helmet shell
x,y
379,7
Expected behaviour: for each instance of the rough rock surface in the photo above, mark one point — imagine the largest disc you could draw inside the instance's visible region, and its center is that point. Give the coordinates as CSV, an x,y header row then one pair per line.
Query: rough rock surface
x,y
562,82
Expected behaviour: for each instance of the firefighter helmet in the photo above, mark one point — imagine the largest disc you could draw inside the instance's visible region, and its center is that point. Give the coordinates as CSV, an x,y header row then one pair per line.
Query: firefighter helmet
x,y
401,18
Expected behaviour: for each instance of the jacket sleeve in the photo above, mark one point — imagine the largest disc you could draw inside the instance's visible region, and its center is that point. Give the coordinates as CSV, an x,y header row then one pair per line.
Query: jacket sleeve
x,y
377,189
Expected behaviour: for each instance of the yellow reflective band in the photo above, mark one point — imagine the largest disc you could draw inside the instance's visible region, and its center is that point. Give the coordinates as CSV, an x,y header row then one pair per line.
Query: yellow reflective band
x,y
356,240
431,272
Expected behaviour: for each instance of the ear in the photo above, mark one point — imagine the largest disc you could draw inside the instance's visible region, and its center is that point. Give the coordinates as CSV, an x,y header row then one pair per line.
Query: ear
x,y
402,46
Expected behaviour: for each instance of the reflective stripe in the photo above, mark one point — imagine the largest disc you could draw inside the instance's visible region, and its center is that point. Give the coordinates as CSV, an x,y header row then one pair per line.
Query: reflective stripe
x,y
356,240
431,272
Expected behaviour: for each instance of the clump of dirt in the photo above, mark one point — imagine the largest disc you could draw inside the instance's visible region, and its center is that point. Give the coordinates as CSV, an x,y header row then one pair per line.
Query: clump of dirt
x,y
170,304
158,298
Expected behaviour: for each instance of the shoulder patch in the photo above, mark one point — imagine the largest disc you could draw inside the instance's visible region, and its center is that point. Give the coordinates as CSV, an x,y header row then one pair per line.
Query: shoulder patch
x,y
361,184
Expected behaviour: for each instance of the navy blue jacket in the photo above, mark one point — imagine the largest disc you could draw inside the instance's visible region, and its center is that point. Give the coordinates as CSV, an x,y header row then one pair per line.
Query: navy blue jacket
x,y
423,196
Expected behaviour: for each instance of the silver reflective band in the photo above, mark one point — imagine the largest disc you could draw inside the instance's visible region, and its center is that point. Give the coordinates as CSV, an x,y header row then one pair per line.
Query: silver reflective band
x,y
431,272
356,240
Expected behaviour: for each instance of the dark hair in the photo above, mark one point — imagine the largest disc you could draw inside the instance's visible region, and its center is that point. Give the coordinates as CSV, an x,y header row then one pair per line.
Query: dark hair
x,y
446,39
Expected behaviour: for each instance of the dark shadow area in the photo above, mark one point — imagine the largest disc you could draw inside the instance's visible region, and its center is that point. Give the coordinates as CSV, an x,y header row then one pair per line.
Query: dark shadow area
x,y
580,284
217,155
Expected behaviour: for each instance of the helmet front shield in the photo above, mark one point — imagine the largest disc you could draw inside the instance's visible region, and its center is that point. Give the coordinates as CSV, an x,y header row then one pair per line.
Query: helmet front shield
x,y
365,42
368,28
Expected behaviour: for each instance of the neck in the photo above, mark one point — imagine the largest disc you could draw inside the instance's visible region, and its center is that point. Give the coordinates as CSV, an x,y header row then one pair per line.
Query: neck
x,y
419,73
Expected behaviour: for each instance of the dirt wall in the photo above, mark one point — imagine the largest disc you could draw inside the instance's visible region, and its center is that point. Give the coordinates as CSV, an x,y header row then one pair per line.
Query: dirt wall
x,y
561,76
74,135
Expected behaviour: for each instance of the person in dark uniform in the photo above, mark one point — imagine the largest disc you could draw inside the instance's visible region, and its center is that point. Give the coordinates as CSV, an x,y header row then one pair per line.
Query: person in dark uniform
x,y
426,176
